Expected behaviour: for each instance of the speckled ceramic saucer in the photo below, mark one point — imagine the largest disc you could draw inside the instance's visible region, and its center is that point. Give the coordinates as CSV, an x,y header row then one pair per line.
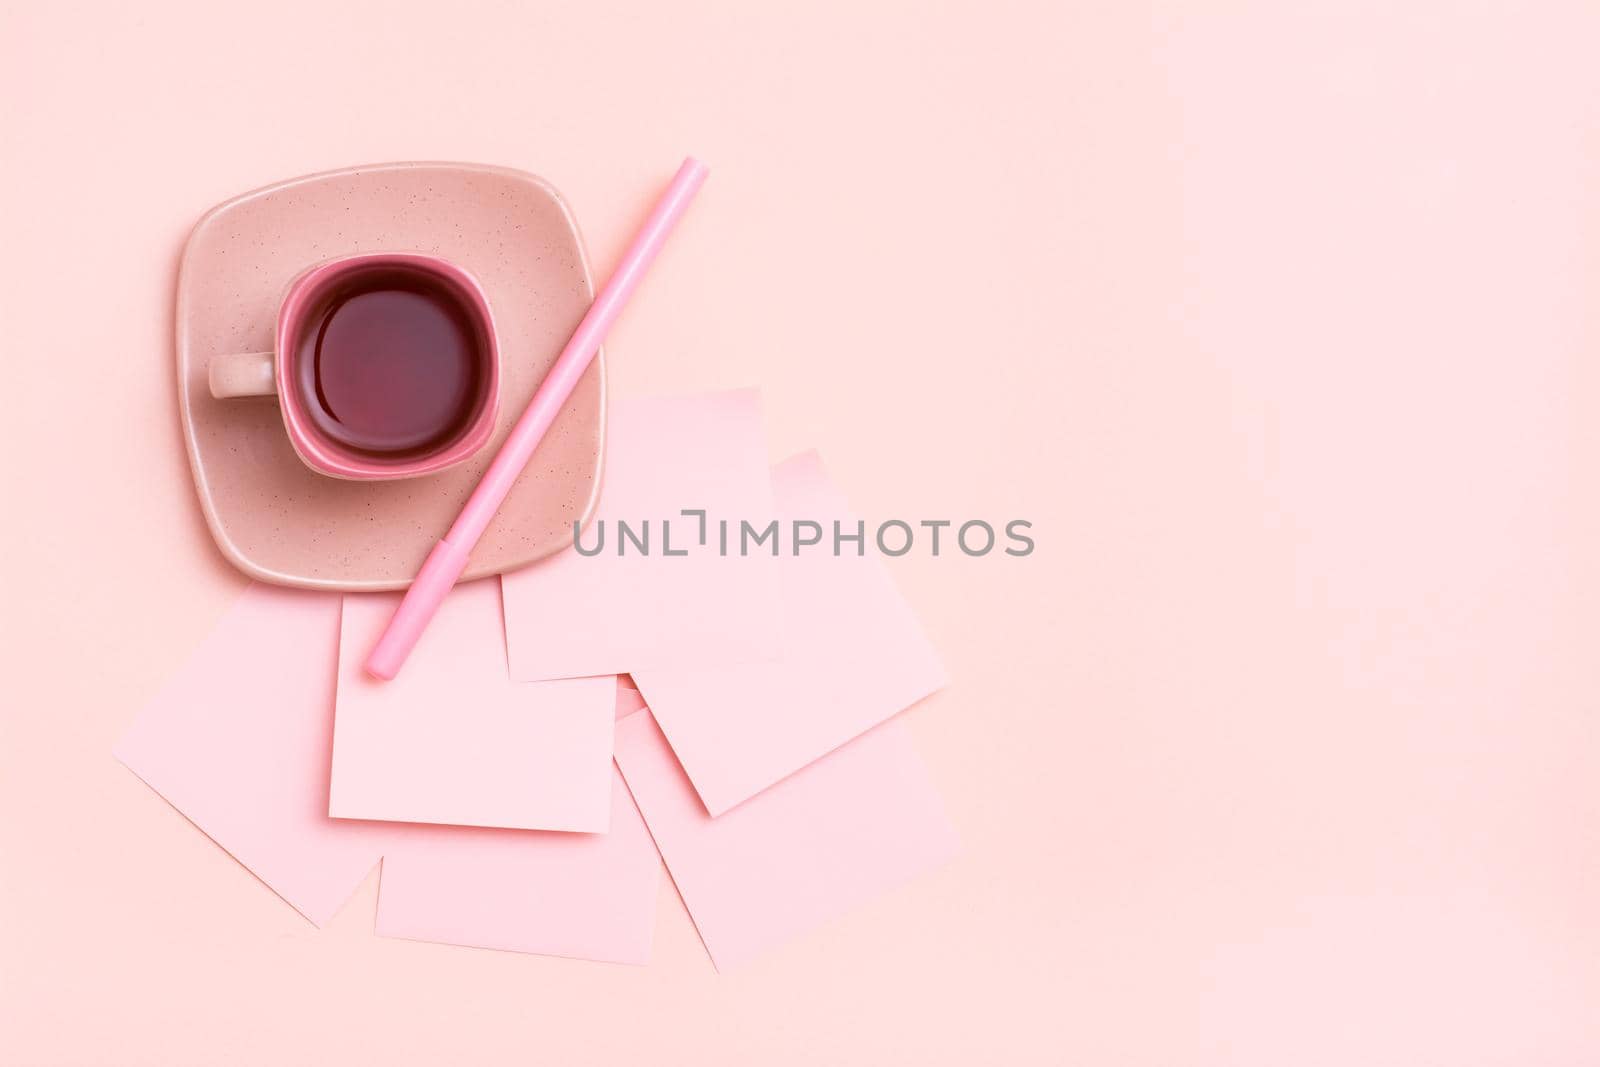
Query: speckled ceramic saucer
x,y
280,522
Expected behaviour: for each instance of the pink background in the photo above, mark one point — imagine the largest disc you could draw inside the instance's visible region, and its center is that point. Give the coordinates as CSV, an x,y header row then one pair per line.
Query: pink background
x,y
1279,325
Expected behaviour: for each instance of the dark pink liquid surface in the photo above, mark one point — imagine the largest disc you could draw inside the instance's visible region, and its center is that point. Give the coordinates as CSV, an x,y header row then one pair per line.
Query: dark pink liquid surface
x,y
392,364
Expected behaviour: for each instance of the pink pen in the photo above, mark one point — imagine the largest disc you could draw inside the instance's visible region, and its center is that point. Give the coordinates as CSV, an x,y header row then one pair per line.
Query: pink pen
x,y
449,557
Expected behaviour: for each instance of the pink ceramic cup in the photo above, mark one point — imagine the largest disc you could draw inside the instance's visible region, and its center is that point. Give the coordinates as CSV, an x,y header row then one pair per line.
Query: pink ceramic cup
x,y
259,374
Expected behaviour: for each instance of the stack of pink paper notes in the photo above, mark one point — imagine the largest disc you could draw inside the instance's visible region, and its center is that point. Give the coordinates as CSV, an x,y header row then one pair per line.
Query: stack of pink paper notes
x,y
516,789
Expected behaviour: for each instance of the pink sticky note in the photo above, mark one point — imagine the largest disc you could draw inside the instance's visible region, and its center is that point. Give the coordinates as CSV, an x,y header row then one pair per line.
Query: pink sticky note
x,y
574,615
591,896
454,740
239,742
853,655
851,825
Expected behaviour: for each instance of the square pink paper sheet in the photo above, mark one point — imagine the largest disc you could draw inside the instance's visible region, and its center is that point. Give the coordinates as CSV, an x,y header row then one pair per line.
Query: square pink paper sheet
x,y
573,615
454,740
852,825
240,739
853,655
589,896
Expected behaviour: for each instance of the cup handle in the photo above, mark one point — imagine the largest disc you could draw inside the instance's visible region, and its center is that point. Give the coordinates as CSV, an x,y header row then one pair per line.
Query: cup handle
x,y
242,374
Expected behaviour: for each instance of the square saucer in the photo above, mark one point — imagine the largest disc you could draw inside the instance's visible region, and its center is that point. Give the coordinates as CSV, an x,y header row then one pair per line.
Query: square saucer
x,y
279,521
